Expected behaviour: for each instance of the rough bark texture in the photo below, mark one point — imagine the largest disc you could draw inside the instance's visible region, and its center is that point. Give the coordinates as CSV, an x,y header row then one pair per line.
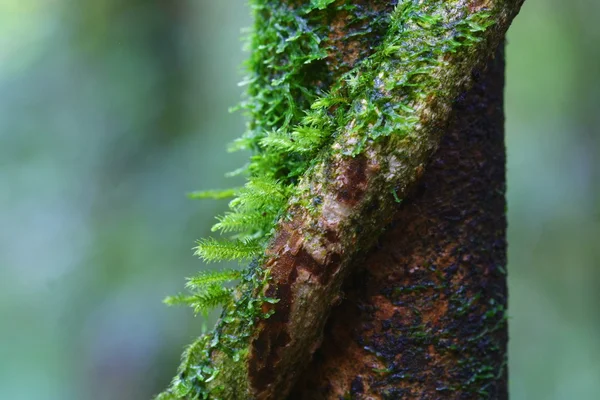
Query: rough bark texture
x,y
311,254
423,317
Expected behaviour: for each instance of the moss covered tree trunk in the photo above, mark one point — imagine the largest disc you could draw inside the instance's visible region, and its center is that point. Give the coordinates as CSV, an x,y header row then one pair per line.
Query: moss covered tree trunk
x,y
423,316
349,103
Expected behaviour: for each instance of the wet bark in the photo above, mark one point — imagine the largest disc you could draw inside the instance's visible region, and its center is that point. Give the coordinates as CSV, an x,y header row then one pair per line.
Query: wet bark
x,y
424,315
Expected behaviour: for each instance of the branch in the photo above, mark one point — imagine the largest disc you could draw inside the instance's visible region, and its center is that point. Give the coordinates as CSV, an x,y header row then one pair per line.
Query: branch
x,y
385,115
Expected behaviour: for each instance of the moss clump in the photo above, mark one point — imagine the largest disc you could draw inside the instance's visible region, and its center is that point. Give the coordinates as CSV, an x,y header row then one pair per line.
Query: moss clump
x,y
197,372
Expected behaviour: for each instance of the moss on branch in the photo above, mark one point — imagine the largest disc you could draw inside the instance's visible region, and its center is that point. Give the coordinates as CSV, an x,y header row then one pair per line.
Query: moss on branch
x,y
336,140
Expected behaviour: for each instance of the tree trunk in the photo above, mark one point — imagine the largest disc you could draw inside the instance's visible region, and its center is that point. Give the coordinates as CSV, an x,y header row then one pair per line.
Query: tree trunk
x,y
424,316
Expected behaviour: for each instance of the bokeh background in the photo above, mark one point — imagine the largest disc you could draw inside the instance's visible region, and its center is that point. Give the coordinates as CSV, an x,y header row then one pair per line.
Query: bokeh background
x,y
111,111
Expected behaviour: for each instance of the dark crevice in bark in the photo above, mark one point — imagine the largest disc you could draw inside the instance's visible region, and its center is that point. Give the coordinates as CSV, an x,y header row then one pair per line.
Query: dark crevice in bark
x,y
424,315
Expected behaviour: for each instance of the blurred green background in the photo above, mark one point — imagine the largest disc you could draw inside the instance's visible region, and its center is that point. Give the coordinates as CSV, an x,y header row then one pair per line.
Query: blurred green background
x,y
111,111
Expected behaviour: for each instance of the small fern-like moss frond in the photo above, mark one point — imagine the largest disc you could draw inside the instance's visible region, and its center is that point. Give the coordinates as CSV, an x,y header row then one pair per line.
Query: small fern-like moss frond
x,y
213,296
328,101
213,194
310,138
178,299
202,301
260,191
277,141
303,140
206,279
226,250
243,222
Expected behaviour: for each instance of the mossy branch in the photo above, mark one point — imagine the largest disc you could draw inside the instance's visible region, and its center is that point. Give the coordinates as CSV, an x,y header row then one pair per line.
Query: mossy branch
x,y
343,121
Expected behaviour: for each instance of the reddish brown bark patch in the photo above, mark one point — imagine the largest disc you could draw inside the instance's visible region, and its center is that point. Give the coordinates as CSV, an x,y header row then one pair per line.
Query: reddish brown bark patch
x,y
351,189
288,258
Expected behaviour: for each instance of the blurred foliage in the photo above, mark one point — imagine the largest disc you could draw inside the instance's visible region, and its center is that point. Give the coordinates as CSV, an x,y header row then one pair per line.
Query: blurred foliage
x,y
111,111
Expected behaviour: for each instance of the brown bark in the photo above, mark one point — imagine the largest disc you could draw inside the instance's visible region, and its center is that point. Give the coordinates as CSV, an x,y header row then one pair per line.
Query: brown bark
x,y
311,254
423,318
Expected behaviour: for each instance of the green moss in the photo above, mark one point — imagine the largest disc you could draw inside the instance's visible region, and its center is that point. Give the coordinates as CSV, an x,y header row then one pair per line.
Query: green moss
x,y
297,105
197,372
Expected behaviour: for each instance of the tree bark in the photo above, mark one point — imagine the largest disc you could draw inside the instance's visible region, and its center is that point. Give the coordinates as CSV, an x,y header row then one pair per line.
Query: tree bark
x,y
431,320
423,317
